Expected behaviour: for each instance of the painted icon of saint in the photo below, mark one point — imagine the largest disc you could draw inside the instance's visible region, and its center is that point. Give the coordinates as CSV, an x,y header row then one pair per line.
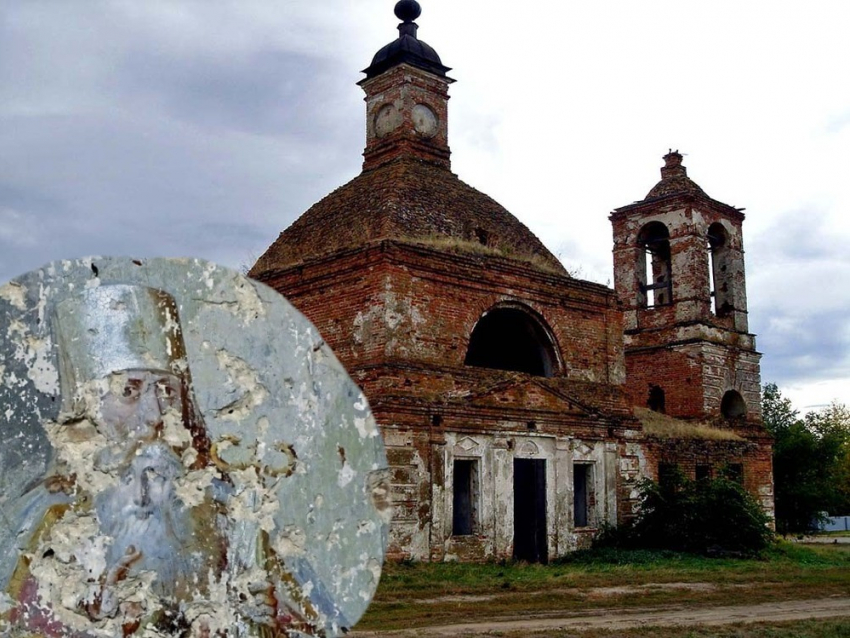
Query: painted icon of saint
x,y
131,531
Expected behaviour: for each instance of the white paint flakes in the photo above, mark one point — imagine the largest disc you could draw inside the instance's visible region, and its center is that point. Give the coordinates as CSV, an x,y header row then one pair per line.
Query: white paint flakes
x,y
249,305
15,294
291,541
345,475
366,428
246,382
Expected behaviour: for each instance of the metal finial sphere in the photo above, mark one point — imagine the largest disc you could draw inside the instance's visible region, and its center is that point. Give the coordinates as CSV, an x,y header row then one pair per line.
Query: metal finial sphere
x,y
407,10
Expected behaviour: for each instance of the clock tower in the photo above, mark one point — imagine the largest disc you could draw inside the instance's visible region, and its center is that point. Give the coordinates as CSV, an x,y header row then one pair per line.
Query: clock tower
x,y
406,98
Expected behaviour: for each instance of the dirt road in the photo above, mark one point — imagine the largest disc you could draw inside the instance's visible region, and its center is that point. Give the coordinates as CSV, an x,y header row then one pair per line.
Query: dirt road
x,y
627,618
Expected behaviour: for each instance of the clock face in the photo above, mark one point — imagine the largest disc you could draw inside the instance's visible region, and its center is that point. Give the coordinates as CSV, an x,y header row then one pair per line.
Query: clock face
x,y
387,120
424,120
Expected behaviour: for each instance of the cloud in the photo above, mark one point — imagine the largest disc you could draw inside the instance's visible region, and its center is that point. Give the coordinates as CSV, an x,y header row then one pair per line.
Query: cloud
x,y
164,129
205,128
17,229
799,299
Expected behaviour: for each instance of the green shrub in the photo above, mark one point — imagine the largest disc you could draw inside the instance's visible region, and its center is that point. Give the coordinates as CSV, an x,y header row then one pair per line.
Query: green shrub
x,y
710,516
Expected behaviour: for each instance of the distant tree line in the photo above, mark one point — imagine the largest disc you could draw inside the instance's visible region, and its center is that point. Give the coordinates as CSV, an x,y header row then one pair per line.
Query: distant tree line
x,y
811,461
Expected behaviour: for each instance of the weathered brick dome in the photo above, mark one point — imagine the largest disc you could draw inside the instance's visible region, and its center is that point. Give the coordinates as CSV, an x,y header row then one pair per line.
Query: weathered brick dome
x,y
408,200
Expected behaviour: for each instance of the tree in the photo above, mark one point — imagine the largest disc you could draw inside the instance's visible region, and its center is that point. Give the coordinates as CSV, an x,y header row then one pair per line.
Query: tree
x,y
709,516
811,461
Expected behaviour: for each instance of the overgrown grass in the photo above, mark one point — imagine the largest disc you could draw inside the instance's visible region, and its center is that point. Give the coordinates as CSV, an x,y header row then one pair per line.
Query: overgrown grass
x,y
419,594
457,245
666,427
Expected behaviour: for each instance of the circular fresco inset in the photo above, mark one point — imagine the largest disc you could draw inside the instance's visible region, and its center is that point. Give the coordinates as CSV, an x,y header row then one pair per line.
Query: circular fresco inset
x,y
183,456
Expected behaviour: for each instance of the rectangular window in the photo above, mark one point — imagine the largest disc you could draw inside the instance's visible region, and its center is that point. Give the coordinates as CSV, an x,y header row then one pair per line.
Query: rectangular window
x,y
703,472
583,496
735,472
465,498
667,475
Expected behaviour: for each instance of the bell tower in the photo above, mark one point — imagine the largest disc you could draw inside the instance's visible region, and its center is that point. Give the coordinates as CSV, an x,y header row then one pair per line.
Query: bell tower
x,y
407,98
679,273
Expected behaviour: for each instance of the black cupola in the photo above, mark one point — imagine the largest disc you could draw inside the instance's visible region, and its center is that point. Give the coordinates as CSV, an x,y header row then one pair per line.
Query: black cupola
x,y
407,49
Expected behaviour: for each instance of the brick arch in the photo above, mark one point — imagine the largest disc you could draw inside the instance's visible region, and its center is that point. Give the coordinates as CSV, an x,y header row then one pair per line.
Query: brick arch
x,y
722,281
513,336
732,405
654,268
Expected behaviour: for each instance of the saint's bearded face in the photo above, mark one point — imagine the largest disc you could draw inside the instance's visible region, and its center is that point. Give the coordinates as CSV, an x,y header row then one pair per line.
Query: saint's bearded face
x,y
146,485
146,522
133,407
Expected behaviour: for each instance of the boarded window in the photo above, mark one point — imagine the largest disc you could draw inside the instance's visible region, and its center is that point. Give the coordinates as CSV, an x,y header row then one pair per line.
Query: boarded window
x,y
582,494
465,498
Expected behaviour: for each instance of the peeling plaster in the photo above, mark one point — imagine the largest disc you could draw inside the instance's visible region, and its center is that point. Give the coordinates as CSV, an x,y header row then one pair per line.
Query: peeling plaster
x,y
286,501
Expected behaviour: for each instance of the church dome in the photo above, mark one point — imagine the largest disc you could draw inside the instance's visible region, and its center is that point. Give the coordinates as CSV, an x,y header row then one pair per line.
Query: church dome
x,y
410,201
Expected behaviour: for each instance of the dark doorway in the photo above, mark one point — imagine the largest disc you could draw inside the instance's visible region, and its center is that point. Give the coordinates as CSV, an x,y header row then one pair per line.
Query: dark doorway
x,y
530,511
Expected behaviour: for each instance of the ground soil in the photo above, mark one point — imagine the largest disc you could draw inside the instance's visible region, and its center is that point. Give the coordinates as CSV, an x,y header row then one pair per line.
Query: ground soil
x,y
620,619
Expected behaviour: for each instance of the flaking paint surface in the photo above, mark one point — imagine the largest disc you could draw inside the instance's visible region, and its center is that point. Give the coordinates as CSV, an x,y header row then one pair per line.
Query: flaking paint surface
x,y
277,501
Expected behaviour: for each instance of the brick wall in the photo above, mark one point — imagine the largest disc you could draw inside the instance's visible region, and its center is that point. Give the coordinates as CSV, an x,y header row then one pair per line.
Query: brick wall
x,y
394,302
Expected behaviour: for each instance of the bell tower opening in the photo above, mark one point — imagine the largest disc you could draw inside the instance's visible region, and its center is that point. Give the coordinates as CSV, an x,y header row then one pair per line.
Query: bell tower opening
x,y
655,280
721,282
512,339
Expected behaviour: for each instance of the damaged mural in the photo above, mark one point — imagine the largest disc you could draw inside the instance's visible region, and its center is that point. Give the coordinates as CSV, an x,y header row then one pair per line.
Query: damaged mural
x,y
183,456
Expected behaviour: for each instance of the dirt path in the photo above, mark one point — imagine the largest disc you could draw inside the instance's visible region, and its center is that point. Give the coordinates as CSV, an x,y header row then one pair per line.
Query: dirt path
x,y
628,618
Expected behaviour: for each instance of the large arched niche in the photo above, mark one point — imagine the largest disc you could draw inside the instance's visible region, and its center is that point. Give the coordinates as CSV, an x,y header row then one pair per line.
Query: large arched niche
x,y
512,336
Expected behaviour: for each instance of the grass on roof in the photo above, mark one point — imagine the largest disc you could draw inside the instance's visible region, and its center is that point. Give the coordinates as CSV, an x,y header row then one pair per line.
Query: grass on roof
x,y
667,427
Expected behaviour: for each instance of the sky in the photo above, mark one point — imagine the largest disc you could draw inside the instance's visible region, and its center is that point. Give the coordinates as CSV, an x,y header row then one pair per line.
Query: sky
x,y
204,128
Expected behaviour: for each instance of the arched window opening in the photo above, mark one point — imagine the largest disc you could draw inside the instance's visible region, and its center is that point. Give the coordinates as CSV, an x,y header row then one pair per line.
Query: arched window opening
x,y
718,260
733,406
655,402
511,339
655,281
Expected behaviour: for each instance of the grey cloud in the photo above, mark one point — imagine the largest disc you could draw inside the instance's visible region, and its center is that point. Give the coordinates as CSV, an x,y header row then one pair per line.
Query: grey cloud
x,y
267,92
799,299
119,135
798,235
104,186
813,347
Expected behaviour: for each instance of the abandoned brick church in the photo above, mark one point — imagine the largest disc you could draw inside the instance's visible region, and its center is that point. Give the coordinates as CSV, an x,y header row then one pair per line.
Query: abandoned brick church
x,y
520,406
